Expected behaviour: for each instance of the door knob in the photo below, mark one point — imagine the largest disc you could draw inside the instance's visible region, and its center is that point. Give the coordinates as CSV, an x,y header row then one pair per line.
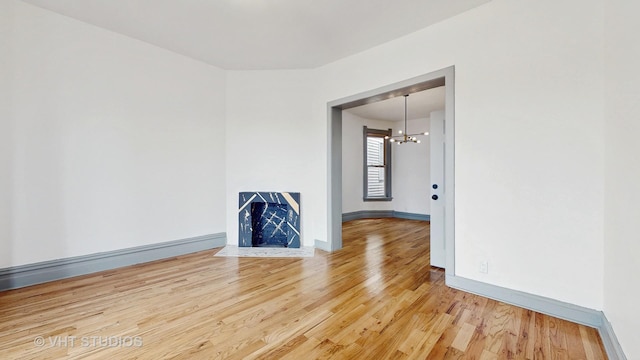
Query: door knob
x,y
435,186
434,197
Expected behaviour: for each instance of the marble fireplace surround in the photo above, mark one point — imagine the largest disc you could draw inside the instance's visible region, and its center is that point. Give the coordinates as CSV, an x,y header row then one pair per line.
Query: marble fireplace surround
x,y
269,219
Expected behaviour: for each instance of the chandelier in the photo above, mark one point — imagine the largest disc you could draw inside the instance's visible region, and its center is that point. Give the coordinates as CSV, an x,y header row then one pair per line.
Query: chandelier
x,y
404,137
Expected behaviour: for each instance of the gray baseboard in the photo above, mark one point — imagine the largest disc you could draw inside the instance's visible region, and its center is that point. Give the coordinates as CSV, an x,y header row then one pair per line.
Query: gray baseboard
x,y
373,214
411,216
322,245
610,341
566,311
367,214
37,273
559,309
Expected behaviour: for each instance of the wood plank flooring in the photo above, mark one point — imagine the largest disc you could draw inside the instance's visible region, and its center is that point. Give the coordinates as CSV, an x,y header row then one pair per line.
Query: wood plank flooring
x,y
378,298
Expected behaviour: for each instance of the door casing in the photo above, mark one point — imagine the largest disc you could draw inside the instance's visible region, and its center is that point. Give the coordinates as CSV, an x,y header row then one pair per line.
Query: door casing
x,y
444,77
438,189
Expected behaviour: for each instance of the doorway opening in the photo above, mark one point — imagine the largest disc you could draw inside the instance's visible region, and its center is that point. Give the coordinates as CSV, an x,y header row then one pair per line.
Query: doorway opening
x,y
444,77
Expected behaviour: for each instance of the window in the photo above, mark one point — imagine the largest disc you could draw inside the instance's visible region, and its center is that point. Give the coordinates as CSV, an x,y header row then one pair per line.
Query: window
x,y
377,165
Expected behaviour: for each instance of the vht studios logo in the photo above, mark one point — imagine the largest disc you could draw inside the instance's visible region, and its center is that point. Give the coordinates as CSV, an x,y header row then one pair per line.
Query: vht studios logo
x,y
88,341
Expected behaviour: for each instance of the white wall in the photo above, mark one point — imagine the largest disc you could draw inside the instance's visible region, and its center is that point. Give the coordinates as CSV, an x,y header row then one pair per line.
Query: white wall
x,y
115,143
269,141
622,175
410,167
6,19
529,164
108,143
529,145
411,170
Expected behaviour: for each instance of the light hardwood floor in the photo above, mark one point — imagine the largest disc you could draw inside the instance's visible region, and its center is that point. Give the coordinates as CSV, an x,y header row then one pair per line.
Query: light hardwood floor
x,y
378,298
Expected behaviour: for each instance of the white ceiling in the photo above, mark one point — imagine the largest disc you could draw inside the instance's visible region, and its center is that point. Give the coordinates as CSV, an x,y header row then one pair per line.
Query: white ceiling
x,y
419,106
262,34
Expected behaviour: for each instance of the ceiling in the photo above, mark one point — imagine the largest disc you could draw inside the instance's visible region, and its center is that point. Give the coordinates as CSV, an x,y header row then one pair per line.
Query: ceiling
x,y
419,106
262,34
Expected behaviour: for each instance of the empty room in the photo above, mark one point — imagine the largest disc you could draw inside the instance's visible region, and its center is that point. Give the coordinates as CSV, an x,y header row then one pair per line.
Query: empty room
x,y
253,179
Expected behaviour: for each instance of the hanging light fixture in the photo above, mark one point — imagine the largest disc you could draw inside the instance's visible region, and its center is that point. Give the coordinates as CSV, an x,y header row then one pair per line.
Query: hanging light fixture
x,y
404,137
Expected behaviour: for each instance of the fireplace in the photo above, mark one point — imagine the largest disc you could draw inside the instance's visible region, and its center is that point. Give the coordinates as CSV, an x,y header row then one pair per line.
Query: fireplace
x,y
269,219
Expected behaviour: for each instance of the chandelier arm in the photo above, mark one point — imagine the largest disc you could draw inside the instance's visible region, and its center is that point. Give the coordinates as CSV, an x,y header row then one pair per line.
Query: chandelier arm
x,y
405,137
